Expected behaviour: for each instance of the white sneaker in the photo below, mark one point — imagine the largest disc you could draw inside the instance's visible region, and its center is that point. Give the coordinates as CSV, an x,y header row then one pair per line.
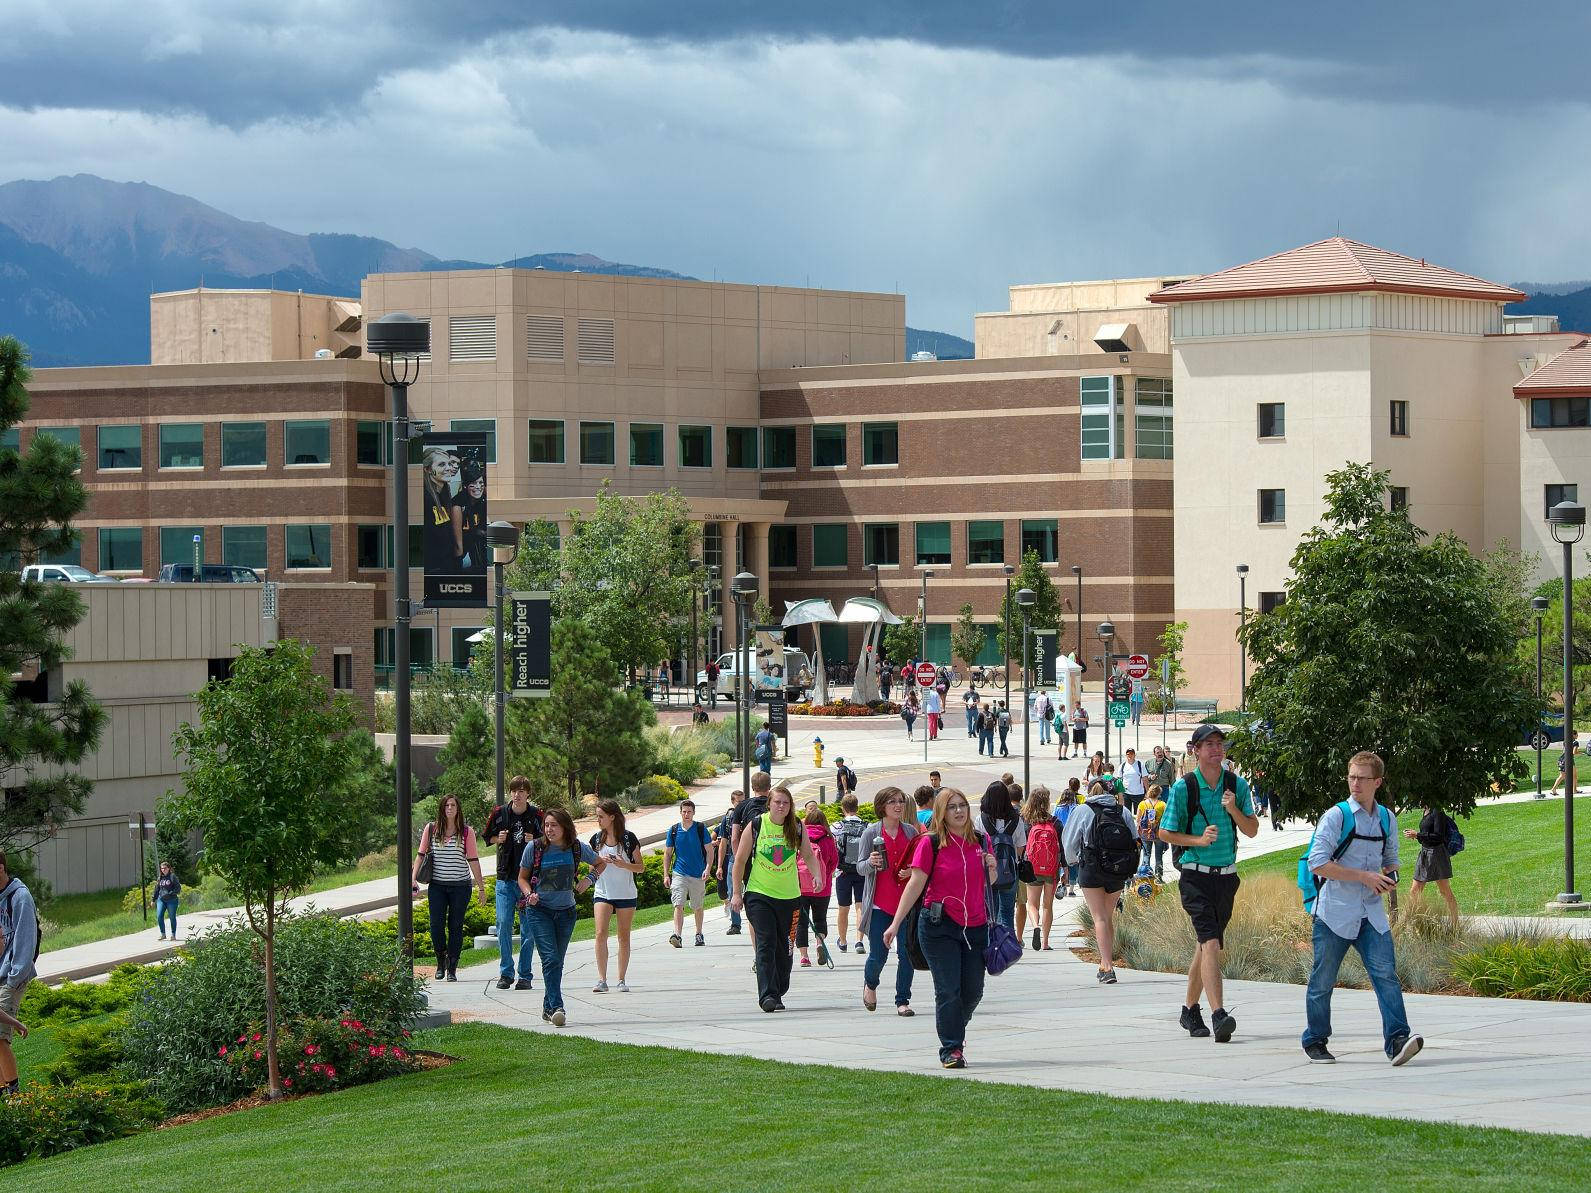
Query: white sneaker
x,y
621,987
600,988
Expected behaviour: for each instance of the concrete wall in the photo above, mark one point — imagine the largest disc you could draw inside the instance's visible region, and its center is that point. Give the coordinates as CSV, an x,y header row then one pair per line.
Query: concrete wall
x,y
1062,318
246,326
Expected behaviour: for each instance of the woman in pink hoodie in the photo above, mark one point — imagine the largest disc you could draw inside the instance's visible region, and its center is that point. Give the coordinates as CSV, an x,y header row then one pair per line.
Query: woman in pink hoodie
x,y
815,898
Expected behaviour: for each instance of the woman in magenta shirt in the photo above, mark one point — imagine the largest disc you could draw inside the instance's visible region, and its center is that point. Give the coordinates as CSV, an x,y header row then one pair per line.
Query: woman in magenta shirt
x,y
951,867
885,867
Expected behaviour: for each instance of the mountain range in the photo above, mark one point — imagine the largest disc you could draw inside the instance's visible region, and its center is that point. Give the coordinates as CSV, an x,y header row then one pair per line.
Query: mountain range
x,y
80,255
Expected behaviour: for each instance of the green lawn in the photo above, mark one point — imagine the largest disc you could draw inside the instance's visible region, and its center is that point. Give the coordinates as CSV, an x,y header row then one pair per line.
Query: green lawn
x,y
561,1112
1512,861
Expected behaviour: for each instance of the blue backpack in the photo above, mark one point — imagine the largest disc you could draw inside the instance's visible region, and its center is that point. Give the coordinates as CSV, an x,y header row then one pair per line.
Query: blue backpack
x,y
1308,883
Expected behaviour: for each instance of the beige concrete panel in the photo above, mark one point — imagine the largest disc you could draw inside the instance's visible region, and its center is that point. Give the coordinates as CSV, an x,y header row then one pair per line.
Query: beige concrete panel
x,y
643,343
467,397
405,293
740,302
467,292
829,347
783,306
888,312
642,300
692,300
594,293
1210,655
740,351
833,309
873,347
693,346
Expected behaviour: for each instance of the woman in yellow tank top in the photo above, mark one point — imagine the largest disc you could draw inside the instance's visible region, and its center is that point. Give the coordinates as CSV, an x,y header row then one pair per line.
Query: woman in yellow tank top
x,y
770,893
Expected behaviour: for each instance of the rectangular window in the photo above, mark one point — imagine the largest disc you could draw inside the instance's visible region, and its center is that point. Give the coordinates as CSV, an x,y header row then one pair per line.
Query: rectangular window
x,y
1041,535
595,341
1103,422
1152,420
72,437
880,443
306,441
990,655
933,543
243,546
937,638
544,337
422,647
309,545
828,445
370,547
182,445
778,447
1270,600
881,544
121,447
176,544
416,547
1273,506
489,425
695,447
472,337
1400,418
243,445
1555,494
121,549
546,441
1560,412
829,549
11,439
72,555
985,542
342,672
646,445
460,645
1398,497
372,445
781,546
1272,419
740,447
596,443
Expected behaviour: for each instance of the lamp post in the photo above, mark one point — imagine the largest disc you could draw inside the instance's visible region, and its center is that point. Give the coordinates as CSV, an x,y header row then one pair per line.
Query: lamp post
x,y
744,589
1567,520
1025,599
873,567
503,539
1107,631
1539,606
922,650
1077,570
398,341
1242,647
1005,612
696,570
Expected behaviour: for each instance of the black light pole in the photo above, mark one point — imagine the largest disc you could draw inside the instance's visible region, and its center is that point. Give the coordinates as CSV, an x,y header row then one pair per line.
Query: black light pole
x,y
1025,598
1539,605
922,656
1107,631
1005,612
696,570
1242,648
744,589
1567,520
1077,570
873,567
503,539
398,341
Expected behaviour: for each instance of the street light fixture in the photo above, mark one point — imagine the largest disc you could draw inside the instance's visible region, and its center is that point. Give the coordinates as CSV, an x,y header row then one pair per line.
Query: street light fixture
x,y
1567,520
1539,605
744,589
922,655
1107,631
1242,645
398,341
1005,611
873,567
503,539
1025,600
1077,570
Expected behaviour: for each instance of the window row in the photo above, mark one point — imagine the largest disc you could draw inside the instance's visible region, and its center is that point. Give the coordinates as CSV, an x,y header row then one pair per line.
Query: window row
x,y
597,443
930,545
1547,413
122,548
1271,419
1104,418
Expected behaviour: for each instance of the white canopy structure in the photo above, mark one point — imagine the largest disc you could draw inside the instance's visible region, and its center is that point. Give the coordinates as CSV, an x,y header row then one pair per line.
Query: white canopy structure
x,y
814,611
875,615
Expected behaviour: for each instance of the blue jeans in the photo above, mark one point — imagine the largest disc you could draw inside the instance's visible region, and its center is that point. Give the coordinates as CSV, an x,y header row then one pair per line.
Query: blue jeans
x,y
1155,853
1003,907
551,931
986,741
163,908
1044,731
1137,711
1003,749
1375,950
877,954
507,902
972,717
955,958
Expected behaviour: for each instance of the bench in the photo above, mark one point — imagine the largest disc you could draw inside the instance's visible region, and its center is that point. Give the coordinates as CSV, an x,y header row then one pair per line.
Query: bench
x,y
1200,708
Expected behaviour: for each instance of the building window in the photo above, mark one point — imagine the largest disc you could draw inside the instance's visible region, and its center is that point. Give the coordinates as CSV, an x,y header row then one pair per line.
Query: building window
x,y
1152,420
182,445
121,549
1272,417
489,425
1273,506
342,672
1559,412
459,644
880,443
695,447
1270,600
121,447
1041,535
11,439
176,544
778,447
306,442
933,543
829,546
646,445
416,546
1400,417
936,640
781,546
985,542
546,441
1398,497
544,337
69,436
370,543
472,337
989,655
71,555
740,447
828,445
309,545
1556,494
243,445
881,544
594,339
420,647
243,546
596,443
1104,429
372,445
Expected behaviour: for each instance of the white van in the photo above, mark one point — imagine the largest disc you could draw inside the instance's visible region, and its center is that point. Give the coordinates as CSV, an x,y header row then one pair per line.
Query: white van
x,y
768,679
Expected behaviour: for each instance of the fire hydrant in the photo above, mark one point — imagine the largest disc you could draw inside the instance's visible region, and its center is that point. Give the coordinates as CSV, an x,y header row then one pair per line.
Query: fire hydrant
x,y
817,752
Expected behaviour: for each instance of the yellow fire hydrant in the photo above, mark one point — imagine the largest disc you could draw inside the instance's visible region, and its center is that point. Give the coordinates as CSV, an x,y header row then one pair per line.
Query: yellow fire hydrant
x,y
817,752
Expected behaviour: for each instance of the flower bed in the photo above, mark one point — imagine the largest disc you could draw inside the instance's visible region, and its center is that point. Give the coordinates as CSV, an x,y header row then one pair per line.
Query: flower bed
x,y
844,708
319,1055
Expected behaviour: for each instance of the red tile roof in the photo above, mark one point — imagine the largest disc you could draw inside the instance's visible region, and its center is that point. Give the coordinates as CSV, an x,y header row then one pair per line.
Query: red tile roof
x,y
1331,266
1567,373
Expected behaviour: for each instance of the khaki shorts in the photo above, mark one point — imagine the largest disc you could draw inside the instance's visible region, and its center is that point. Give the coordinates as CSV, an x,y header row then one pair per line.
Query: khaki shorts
x,y
692,891
10,1001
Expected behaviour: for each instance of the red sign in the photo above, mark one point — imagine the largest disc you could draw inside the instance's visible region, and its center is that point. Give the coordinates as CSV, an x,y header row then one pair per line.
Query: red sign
x,y
1138,666
926,674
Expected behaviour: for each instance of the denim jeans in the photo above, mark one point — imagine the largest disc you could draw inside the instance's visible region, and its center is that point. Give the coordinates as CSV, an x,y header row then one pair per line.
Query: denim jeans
x,y
1375,950
1003,750
972,720
877,954
986,741
447,901
551,930
1044,731
1003,906
1155,856
163,908
955,958
507,902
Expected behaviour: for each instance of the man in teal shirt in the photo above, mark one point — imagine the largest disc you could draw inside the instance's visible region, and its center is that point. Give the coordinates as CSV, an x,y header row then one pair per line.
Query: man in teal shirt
x,y
1204,812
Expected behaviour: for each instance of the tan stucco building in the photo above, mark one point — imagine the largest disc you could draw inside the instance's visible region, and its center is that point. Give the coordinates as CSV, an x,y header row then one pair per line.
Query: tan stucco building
x,y
200,326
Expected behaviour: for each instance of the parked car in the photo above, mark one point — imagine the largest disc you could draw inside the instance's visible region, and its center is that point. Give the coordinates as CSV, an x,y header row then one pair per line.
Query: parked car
x,y
211,573
769,677
1550,732
64,573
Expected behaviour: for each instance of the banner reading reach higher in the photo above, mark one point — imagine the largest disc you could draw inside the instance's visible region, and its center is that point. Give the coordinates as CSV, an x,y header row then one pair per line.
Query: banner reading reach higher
x,y
453,479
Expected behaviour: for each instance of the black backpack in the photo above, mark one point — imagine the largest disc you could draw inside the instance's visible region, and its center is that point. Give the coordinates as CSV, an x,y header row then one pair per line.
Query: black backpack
x,y
1003,842
631,843
1111,847
1228,783
848,833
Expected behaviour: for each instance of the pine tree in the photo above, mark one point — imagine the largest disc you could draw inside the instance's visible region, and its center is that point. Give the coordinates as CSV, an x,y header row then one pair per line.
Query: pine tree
x,y
1046,611
469,763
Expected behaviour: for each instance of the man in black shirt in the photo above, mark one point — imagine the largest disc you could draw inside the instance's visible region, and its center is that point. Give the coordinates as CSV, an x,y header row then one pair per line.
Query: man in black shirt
x,y
510,827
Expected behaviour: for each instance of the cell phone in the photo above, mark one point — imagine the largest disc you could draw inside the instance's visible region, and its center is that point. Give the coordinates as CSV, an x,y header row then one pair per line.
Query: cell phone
x,y
1393,874
936,912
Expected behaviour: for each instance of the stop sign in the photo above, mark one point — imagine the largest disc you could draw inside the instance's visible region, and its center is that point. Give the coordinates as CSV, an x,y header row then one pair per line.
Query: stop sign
x,y
926,674
1138,666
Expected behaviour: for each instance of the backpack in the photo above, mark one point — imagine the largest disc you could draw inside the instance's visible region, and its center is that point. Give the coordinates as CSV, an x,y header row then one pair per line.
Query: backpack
x,y
701,835
850,778
848,836
1003,844
1044,708
631,845
1228,783
1044,849
1111,847
1005,719
1308,882
1455,839
38,924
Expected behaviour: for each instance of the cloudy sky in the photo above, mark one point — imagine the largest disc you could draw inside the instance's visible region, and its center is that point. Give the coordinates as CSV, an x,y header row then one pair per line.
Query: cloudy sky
x,y
944,149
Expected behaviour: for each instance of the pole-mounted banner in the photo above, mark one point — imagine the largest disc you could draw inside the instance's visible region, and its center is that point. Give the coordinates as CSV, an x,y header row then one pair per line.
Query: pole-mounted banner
x,y
453,526
529,645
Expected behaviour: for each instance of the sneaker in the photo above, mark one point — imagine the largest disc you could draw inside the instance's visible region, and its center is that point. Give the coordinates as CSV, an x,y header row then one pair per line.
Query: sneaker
x,y
1224,1025
600,988
452,975
621,987
845,947
504,983
778,1004
162,936
1407,1051
675,940
1192,1021
441,972
523,984
768,1004
1318,1055
558,1017
1035,940
733,930
825,958
954,1060
806,963
1106,977
700,940
546,1016
861,948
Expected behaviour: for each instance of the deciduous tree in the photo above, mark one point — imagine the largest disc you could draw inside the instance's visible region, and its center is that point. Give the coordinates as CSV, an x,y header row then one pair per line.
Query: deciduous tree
x,y
966,637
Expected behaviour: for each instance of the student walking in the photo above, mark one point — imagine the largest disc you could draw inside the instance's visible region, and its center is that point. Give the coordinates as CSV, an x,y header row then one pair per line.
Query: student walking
x,y
1101,841
1043,710
1043,855
510,828
986,721
770,891
614,897
19,949
909,708
923,797
1002,721
454,863
1150,811
1095,769
933,706
886,858
1162,770
724,852
168,889
816,888
1064,807
685,851
1349,911
970,701
1435,863
949,875
549,879
1132,781
848,884
1205,811
997,819
1079,729
844,778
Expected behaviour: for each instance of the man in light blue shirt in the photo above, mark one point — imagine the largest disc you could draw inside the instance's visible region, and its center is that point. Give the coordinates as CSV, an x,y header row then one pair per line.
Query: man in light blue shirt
x,y
19,946
1349,912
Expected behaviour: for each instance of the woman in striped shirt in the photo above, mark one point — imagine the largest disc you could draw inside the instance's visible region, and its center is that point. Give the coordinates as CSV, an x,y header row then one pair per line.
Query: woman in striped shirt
x,y
451,844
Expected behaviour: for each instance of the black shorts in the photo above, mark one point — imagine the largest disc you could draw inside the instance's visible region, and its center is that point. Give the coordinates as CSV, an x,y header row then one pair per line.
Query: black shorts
x,y
1208,898
1089,877
1080,737
848,888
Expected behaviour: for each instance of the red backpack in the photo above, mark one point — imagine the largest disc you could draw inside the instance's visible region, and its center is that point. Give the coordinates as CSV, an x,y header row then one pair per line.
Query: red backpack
x,y
1044,849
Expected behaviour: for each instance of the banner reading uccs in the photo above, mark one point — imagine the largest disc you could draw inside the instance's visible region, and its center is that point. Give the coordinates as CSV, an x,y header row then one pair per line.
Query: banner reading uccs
x,y
453,479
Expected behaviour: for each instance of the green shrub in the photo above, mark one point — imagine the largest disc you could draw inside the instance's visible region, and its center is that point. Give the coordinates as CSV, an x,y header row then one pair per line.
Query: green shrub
x,y
91,1050
383,861
194,1005
44,1120
658,789
720,735
864,809
680,752
319,1055
478,918
1555,969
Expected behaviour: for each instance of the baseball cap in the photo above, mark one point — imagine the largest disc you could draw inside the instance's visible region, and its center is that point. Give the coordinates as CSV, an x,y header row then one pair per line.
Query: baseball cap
x,y
1205,732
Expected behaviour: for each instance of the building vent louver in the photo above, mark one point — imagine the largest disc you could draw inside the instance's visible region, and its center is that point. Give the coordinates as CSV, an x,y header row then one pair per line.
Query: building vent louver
x,y
472,337
544,337
596,341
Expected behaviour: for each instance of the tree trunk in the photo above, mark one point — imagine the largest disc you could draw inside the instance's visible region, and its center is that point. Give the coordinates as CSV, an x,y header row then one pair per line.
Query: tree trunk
x,y
273,1065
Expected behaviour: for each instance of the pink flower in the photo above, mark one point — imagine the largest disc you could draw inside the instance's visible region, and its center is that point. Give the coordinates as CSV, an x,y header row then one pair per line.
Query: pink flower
x,y
310,1050
221,1051
287,1082
256,1037
242,1039
330,1072
257,1055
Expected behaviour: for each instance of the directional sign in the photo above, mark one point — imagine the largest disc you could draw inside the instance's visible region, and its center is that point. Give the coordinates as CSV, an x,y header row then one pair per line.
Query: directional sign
x,y
1138,666
1118,711
926,674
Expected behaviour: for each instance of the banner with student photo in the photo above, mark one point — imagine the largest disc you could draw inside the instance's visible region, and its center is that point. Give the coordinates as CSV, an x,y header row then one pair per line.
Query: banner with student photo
x,y
768,670
453,518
